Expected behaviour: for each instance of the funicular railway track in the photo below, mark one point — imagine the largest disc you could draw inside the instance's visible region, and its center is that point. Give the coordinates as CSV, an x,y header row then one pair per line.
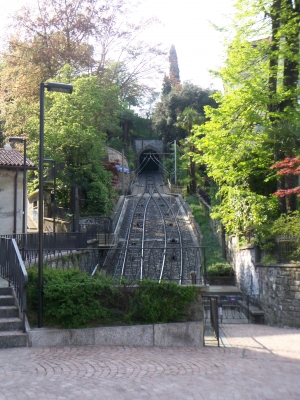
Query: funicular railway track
x,y
156,240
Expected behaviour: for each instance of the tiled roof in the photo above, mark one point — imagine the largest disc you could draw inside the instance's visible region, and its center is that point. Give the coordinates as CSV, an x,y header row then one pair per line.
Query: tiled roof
x,y
13,159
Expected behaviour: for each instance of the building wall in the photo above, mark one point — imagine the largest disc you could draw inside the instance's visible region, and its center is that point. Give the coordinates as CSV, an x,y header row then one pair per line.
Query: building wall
x,y
33,202
7,193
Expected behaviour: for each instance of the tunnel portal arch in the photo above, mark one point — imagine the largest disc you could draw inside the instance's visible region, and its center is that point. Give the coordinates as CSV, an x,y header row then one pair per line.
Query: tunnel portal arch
x,y
149,155
149,161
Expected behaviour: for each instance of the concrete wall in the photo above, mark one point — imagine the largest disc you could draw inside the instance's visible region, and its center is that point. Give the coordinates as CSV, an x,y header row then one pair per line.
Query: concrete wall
x,y
141,144
243,261
173,334
7,193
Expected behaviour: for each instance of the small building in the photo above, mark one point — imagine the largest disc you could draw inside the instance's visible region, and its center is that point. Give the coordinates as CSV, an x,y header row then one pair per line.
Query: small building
x,y
11,190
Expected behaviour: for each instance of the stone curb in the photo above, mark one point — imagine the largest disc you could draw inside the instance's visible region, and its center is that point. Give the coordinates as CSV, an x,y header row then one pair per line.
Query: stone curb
x,y
173,334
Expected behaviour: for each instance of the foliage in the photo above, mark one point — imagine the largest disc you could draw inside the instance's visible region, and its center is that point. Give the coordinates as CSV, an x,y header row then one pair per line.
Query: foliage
x,y
59,32
212,250
186,120
257,115
286,225
172,104
74,299
182,169
220,269
174,68
282,239
75,129
289,166
160,302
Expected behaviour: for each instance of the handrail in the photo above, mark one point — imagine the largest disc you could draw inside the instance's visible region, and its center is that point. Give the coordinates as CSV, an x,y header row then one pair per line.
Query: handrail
x,y
12,268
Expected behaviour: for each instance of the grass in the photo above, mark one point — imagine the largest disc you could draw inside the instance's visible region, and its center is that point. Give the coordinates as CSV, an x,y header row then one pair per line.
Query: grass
x,y
213,251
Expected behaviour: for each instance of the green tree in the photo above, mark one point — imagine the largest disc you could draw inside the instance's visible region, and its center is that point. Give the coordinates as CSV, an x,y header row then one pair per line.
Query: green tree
x,y
174,68
186,120
75,137
172,104
241,139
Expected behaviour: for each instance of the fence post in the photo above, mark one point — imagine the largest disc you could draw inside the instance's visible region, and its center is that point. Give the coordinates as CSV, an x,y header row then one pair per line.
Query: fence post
x,y
248,308
193,278
204,265
214,317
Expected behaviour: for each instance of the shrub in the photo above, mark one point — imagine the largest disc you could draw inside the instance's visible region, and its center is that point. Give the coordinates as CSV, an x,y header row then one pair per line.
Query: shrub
x,y
73,299
70,298
220,269
160,302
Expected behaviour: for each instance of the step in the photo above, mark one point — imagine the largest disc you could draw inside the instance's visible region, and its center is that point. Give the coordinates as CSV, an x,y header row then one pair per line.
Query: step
x,y
13,339
9,312
10,324
7,300
5,291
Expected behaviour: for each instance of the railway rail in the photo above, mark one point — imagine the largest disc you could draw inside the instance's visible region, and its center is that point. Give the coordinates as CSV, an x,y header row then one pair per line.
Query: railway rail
x,y
156,240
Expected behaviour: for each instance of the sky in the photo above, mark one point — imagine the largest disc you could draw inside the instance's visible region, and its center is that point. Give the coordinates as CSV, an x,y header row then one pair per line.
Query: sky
x,y
184,23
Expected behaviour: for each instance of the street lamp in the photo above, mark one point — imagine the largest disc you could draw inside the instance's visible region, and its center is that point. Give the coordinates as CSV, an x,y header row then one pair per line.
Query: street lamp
x,y
50,160
51,87
22,140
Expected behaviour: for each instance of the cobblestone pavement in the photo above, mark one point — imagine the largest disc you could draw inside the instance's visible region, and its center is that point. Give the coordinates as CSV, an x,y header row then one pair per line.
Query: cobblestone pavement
x,y
262,363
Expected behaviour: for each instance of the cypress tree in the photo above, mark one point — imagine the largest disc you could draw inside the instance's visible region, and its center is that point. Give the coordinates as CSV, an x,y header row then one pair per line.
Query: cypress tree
x,y
174,68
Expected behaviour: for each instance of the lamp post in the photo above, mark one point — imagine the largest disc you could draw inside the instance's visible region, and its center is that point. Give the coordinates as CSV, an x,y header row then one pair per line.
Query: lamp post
x,y
51,87
22,140
50,160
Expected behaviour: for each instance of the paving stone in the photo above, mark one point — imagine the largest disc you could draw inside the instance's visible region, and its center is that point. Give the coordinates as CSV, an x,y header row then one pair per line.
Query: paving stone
x,y
262,362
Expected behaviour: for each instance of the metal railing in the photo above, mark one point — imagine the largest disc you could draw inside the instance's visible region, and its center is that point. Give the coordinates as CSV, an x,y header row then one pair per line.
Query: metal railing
x,y
214,315
238,307
65,250
12,269
52,241
117,213
287,248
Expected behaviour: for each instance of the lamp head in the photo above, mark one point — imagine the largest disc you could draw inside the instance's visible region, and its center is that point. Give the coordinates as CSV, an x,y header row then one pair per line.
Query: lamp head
x,y
16,139
58,87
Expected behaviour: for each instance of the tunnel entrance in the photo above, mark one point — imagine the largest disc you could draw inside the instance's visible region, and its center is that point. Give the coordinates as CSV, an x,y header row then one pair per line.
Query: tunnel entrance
x,y
149,161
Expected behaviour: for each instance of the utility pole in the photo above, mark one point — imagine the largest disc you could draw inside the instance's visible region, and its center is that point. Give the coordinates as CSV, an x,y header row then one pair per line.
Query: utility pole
x,y
123,185
175,173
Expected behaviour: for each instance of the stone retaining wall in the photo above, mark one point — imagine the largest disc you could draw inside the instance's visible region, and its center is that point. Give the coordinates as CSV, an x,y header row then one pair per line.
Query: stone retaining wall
x,y
278,285
172,334
221,280
280,294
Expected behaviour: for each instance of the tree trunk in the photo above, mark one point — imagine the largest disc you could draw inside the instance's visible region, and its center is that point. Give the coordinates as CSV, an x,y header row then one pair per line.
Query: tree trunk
x,y
274,57
290,83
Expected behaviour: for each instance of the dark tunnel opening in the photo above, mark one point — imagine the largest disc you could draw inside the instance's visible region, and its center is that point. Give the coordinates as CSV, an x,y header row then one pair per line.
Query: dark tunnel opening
x,y
149,161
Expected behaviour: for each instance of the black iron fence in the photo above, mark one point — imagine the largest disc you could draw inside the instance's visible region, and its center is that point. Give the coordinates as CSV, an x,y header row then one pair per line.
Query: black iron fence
x,y
62,241
86,260
62,250
213,302
13,270
237,308
52,241
282,249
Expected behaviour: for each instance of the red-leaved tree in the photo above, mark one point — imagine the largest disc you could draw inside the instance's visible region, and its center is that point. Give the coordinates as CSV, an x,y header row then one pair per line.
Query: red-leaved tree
x,y
288,167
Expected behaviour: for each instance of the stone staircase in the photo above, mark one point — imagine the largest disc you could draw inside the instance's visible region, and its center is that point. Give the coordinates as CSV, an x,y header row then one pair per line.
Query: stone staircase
x,y
11,326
